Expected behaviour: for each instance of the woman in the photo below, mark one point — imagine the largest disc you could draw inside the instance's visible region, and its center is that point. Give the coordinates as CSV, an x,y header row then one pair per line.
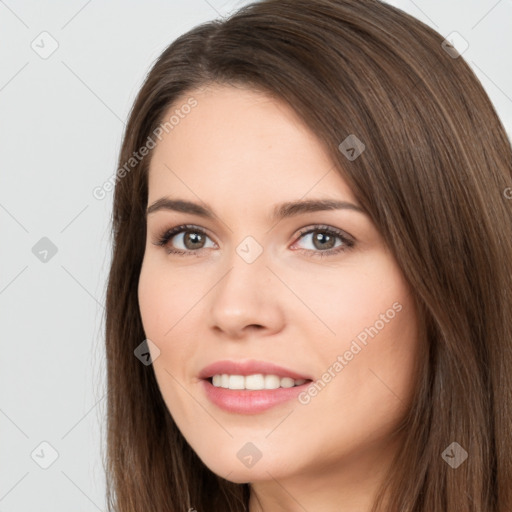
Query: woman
x,y
244,371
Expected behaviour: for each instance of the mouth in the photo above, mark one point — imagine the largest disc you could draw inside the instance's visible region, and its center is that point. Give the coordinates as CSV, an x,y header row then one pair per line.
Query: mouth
x,y
251,387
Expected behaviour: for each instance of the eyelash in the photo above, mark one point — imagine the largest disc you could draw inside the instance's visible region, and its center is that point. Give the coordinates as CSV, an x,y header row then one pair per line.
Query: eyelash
x,y
164,239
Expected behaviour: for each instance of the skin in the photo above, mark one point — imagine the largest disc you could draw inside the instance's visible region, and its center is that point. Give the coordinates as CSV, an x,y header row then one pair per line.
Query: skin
x,y
243,152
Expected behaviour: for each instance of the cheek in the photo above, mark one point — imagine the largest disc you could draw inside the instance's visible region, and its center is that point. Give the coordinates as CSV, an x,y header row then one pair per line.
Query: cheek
x,y
162,302
371,311
162,308
166,303
151,303
351,297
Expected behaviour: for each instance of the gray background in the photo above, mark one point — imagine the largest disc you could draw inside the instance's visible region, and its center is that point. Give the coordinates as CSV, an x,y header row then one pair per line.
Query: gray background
x,y
62,119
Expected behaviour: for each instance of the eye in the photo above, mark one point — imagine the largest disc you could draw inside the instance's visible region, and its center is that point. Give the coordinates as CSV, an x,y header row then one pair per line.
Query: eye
x,y
323,240
191,238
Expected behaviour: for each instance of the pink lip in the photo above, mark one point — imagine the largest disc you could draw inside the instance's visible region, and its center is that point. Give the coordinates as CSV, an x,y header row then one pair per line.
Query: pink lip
x,y
248,367
246,401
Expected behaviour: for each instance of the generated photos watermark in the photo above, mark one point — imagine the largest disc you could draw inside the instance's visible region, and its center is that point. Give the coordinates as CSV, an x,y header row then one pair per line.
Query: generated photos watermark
x,y
343,360
100,192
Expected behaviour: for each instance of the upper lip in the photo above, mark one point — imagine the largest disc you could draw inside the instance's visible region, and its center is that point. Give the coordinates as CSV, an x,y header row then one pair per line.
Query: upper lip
x,y
248,367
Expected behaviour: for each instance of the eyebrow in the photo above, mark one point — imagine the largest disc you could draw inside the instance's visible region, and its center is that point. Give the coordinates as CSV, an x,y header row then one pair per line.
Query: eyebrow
x,y
281,211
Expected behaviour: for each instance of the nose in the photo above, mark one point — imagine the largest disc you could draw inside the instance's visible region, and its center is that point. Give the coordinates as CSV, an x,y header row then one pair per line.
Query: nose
x,y
247,300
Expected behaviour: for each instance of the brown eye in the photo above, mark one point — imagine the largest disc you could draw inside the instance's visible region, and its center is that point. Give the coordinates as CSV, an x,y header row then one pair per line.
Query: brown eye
x,y
324,240
183,240
193,240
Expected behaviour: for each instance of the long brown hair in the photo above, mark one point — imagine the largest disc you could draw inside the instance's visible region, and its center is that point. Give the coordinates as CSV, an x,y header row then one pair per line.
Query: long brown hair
x,y
434,177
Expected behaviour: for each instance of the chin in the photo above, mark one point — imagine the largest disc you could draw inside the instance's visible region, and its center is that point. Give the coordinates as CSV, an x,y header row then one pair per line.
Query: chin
x,y
236,472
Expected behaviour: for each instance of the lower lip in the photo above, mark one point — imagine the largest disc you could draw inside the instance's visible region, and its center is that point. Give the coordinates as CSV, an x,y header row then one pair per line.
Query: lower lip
x,y
245,401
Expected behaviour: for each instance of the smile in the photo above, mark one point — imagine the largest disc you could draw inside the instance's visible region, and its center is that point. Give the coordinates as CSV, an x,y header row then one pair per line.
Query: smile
x,y
250,386
256,381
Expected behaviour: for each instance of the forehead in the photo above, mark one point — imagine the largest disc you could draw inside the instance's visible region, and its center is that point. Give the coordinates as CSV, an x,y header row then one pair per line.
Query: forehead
x,y
244,141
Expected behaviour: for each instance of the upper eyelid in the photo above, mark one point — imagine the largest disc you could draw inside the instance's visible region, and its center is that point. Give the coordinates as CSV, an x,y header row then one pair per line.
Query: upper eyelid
x,y
319,227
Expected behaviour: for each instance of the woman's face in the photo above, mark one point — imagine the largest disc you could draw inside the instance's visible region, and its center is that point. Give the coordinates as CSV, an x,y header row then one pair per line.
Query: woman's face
x,y
257,283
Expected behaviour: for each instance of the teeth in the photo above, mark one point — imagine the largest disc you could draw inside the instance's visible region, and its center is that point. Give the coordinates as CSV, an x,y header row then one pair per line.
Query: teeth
x,y
236,382
255,382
